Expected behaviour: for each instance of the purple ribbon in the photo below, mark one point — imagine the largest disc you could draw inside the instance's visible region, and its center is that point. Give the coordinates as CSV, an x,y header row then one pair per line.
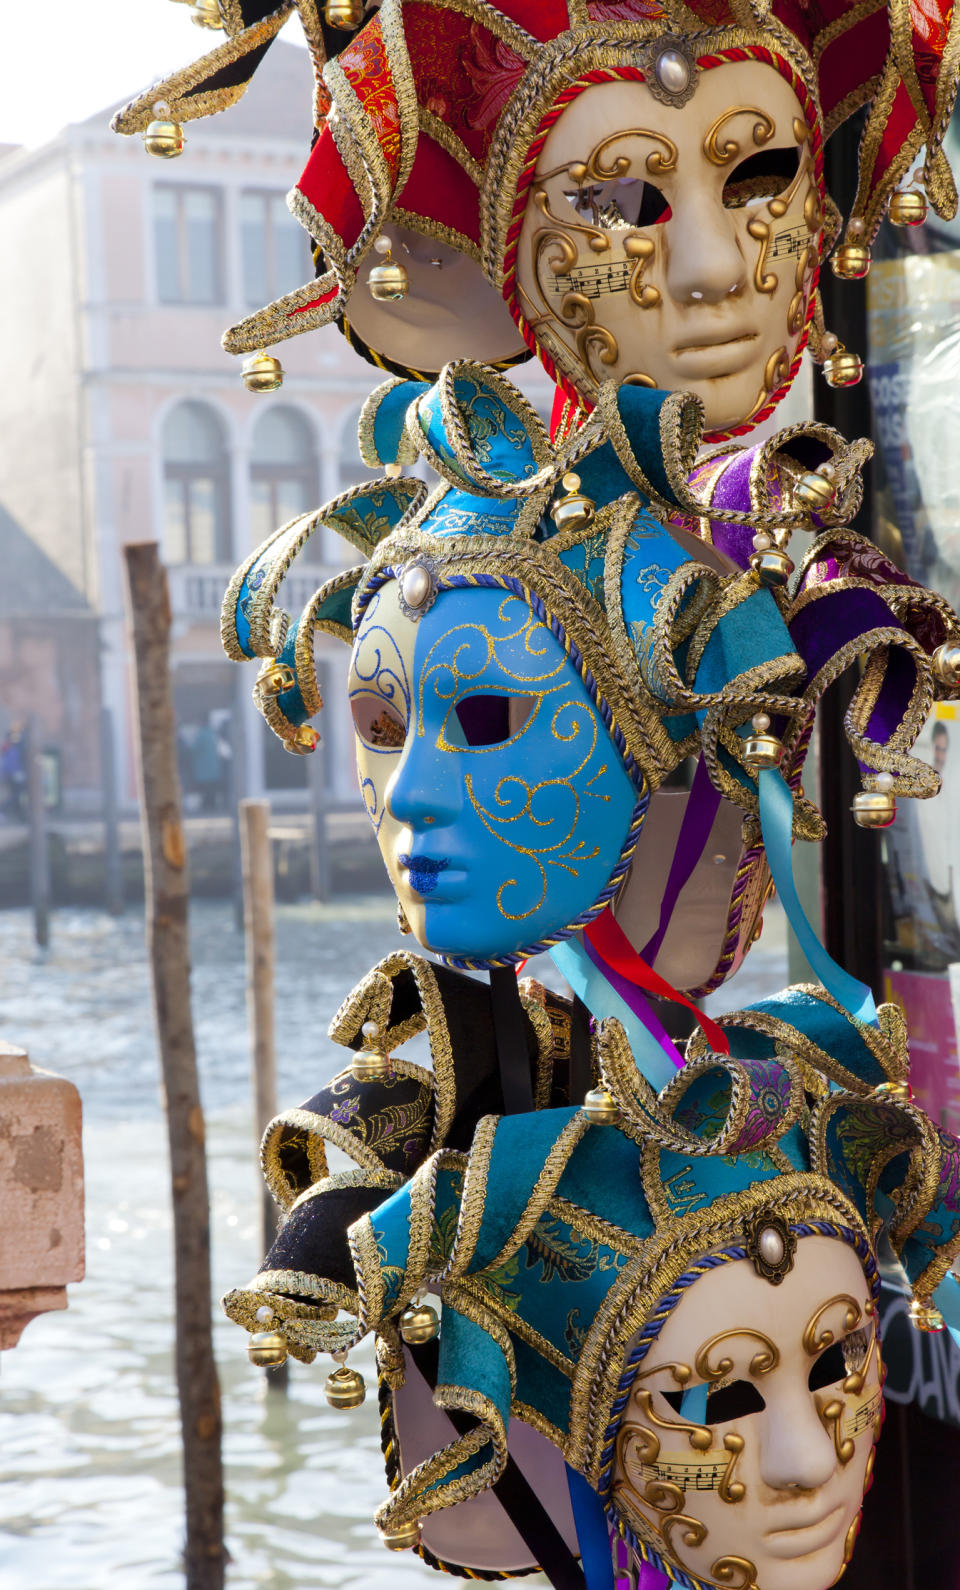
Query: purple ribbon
x,y
701,809
634,999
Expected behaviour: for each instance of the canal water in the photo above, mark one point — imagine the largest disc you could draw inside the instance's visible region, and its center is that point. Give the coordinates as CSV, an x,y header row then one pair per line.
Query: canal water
x,y
89,1439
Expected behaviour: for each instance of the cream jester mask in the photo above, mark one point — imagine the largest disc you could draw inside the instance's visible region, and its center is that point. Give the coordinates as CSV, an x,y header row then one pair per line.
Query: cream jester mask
x,y
672,239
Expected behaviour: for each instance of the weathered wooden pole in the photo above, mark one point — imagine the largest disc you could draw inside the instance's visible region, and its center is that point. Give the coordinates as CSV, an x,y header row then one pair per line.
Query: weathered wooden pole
x,y
166,898
260,941
39,850
112,857
319,850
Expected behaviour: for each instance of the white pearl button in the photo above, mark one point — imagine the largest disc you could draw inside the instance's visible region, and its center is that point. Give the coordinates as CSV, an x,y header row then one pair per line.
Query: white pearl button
x,y
771,1246
415,585
673,72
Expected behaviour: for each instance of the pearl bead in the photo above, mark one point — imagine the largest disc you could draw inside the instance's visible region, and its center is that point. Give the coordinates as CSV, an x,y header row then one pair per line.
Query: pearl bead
x,y
828,471
415,585
771,1246
264,1315
762,541
673,71
829,342
884,782
761,722
571,482
370,1029
856,228
393,471
383,244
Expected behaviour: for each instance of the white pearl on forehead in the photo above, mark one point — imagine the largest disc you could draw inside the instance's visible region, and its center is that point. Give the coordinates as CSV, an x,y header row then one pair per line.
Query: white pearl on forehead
x,y
415,585
673,71
771,1245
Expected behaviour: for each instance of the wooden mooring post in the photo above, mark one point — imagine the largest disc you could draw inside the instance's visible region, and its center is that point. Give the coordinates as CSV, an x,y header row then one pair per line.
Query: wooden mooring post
x,y
39,849
166,900
260,941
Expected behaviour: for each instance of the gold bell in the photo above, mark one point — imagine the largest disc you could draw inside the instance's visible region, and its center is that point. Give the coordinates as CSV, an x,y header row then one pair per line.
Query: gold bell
x,y
762,749
843,368
419,1323
900,1091
924,1317
851,261
387,281
267,1349
574,511
276,679
875,808
815,491
164,139
946,664
370,1064
345,1388
908,207
262,372
772,566
403,1537
206,14
303,741
345,14
601,1108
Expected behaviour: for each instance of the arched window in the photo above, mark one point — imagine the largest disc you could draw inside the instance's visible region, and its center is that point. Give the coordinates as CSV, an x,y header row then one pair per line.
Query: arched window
x,y
196,486
283,473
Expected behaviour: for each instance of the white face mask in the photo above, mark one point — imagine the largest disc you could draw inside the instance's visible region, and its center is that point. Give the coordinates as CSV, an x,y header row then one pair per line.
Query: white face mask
x,y
674,245
765,1487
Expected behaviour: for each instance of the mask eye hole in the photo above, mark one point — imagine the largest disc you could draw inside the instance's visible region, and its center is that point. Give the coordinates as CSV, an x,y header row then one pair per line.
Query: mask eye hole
x,y
734,1401
830,1367
378,725
620,203
760,177
487,719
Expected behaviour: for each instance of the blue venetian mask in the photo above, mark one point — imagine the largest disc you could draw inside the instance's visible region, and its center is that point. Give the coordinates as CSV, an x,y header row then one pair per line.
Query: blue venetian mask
x,y
500,804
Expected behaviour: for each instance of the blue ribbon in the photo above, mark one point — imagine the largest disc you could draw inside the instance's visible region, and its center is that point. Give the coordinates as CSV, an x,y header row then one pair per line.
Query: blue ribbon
x,y
593,1536
589,984
776,822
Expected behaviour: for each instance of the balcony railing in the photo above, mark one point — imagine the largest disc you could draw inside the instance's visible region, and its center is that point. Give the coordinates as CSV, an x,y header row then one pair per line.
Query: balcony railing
x,y
198,592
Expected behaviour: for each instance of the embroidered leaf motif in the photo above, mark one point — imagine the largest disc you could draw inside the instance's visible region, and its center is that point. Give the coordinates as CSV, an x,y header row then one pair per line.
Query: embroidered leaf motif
x,y
552,1245
575,1334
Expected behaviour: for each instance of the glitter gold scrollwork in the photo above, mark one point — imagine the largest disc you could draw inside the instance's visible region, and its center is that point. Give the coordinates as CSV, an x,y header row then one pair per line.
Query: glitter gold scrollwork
x,y
640,250
760,1364
737,1572
814,1342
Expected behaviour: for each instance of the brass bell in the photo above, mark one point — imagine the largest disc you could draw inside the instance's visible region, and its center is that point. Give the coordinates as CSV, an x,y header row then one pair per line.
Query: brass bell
x,y
419,1323
574,511
851,261
601,1108
267,1349
387,281
908,207
345,14
874,808
772,566
924,1317
164,139
946,663
815,491
276,679
762,749
206,14
899,1091
843,368
262,372
302,741
345,1388
370,1064
402,1537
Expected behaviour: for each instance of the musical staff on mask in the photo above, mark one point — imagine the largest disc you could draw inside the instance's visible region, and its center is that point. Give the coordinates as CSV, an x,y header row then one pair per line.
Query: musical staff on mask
x,y
791,241
592,280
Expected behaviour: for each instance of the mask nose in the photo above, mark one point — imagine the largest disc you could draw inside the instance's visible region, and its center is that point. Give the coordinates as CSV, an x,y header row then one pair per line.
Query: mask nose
x,y
796,1451
426,789
705,263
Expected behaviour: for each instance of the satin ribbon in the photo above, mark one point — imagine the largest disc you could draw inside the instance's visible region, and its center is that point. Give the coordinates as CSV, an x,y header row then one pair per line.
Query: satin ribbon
x,y
593,986
776,823
611,943
593,1534
698,817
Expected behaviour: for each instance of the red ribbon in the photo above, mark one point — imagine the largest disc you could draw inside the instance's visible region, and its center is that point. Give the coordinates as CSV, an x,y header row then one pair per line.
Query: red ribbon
x,y
609,940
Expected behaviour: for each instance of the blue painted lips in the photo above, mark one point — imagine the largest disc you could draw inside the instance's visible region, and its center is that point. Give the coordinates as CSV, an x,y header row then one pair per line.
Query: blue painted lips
x,y
424,872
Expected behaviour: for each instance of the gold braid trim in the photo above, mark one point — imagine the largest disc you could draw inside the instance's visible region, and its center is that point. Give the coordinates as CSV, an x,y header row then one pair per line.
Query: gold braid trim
x,y
180,90
455,147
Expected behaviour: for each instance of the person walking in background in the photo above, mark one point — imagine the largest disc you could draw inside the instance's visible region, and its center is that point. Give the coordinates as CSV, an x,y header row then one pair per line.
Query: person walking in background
x,y
13,772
